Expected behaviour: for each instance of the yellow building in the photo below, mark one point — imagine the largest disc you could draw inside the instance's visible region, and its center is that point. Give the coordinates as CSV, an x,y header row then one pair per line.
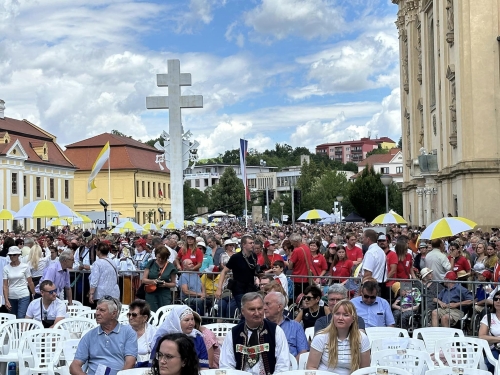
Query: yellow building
x,y
32,167
137,184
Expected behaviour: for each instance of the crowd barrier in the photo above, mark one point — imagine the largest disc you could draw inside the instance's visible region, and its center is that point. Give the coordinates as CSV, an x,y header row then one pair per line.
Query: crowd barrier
x,y
227,310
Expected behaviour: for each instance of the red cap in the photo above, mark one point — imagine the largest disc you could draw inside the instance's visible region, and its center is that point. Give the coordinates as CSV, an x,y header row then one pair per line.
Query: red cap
x,y
450,275
333,244
486,274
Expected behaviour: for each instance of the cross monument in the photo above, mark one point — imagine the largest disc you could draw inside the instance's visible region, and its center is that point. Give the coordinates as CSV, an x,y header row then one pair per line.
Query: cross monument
x,y
174,102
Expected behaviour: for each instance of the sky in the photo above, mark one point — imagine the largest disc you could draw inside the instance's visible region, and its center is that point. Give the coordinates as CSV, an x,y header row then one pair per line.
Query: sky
x,y
301,72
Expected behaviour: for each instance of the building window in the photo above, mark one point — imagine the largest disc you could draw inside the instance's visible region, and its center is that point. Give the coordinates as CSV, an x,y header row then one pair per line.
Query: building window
x,y
432,64
154,189
51,186
38,187
66,189
197,183
25,191
137,188
399,169
168,190
14,183
384,170
143,189
149,189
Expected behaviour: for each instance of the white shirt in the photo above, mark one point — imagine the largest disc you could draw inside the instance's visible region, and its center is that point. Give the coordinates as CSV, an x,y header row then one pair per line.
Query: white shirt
x,y
17,280
86,257
42,264
282,352
375,262
145,343
438,262
57,309
320,344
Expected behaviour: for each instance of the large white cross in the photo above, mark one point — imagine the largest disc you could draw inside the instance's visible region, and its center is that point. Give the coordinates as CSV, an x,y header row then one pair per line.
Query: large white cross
x,y
174,102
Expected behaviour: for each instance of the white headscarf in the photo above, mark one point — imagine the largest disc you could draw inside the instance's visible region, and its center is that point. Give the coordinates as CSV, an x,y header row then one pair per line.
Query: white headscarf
x,y
172,323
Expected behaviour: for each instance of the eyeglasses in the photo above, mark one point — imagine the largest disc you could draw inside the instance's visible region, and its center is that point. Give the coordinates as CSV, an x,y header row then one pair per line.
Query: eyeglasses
x,y
53,291
496,299
165,357
308,298
133,315
369,297
334,299
109,298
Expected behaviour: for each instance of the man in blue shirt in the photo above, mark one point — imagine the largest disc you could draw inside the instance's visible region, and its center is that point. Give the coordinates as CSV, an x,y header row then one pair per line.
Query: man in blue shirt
x,y
274,305
192,289
375,311
452,302
110,345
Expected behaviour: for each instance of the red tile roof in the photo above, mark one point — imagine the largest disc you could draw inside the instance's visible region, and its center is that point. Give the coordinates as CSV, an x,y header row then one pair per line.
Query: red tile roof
x,y
125,153
379,158
27,134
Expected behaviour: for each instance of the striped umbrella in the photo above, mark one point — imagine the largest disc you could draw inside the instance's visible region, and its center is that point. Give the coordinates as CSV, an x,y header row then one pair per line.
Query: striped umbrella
x,y
149,226
313,215
389,218
43,208
211,224
447,227
57,223
129,226
171,225
7,214
189,223
200,220
162,223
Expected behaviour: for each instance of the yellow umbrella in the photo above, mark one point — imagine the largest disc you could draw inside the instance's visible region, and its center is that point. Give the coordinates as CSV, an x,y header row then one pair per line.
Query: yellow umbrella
x,y
162,223
149,226
43,208
447,227
189,223
7,214
212,224
57,223
313,215
171,225
389,218
200,220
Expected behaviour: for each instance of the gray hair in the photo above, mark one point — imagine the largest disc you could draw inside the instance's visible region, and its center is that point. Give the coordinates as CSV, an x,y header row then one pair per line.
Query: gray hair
x,y
295,237
66,255
337,289
29,242
249,297
156,241
279,296
113,304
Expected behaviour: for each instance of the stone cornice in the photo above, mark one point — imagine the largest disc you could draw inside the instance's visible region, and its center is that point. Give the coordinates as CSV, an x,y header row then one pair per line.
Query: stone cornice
x,y
484,166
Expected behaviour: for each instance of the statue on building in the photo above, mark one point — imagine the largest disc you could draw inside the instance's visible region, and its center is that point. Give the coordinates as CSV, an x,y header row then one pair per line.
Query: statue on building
x,y
450,15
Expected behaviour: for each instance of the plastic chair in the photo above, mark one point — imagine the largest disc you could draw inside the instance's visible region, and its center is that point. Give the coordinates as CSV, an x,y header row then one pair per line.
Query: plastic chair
x,y
76,326
90,314
308,372
69,350
456,371
397,343
10,337
375,333
135,371
123,319
464,352
153,319
378,370
40,349
162,313
75,303
303,360
73,311
293,362
431,334
309,333
4,317
220,329
413,361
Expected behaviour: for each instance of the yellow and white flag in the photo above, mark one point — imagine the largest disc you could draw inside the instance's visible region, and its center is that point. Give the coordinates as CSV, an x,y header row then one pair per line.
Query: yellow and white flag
x,y
101,159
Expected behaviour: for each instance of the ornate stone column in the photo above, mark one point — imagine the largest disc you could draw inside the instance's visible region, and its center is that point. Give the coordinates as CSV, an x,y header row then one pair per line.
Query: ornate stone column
x,y
428,207
420,194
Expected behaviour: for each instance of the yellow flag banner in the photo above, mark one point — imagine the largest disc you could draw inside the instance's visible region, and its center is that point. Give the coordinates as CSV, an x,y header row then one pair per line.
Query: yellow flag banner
x,y
101,159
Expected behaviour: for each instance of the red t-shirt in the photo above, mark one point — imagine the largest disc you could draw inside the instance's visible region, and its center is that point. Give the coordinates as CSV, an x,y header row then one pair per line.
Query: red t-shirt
x,y
403,270
319,263
391,258
272,258
196,258
461,264
342,268
354,254
299,263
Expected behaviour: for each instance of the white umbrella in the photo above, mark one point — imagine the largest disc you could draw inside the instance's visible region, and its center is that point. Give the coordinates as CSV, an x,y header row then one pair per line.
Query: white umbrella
x,y
150,226
129,226
218,214
201,220
313,215
43,208
57,223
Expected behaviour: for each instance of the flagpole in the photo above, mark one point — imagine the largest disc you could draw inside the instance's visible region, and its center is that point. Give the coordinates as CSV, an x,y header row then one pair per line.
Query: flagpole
x,y
109,178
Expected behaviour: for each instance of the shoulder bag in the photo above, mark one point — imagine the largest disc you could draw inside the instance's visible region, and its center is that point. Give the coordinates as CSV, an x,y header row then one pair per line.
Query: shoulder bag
x,y
150,288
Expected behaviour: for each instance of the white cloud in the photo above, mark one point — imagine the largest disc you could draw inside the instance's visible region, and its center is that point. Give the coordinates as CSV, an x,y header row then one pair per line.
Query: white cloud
x,y
388,119
199,10
231,35
303,18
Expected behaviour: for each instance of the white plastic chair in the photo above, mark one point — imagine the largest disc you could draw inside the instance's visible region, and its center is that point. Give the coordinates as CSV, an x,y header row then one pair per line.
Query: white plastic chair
x,y
456,371
75,303
293,362
69,350
397,343
464,352
220,329
220,372
90,314
135,371
39,349
375,333
153,319
10,337
162,313
431,334
413,361
4,317
378,370
76,326
123,319
73,311
309,333
303,360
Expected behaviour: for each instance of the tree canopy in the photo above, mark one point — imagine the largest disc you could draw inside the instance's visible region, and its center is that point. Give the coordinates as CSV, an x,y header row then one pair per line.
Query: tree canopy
x,y
228,194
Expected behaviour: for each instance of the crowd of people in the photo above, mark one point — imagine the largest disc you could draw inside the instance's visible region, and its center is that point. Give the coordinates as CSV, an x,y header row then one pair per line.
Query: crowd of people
x,y
273,282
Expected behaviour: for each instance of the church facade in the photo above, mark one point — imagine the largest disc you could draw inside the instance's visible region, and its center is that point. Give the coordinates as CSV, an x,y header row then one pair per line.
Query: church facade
x,y
450,96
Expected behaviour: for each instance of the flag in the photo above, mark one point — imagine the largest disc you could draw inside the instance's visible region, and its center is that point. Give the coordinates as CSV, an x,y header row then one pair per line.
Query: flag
x,y
160,193
101,159
243,163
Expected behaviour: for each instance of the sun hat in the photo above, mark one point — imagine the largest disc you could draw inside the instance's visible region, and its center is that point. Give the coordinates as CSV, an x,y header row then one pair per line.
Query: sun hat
x,y
228,242
424,272
462,273
13,250
202,244
396,287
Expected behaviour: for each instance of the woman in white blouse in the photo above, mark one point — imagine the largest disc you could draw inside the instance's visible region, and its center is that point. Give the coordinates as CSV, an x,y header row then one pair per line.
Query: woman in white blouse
x,y
103,276
138,315
341,347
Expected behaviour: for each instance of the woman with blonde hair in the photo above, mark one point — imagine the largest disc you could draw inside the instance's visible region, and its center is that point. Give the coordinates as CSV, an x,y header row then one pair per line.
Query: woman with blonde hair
x,y
36,260
341,347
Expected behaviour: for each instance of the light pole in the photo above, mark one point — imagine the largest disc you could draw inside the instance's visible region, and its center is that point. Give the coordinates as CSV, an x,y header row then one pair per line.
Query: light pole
x,y
135,205
103,203
340,198
282,204
386,181
263,164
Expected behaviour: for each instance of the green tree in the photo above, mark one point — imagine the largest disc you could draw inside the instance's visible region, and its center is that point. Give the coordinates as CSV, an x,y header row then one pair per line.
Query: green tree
x,y
193,199
367,194
396,198
350,166
116,132
378,150
325,190
228,194
400,143
152,142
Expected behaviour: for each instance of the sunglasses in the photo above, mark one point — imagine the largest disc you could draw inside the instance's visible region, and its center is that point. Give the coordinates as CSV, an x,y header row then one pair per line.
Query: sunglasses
x,y
53,291
369,297
496,299
308,298
133,315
